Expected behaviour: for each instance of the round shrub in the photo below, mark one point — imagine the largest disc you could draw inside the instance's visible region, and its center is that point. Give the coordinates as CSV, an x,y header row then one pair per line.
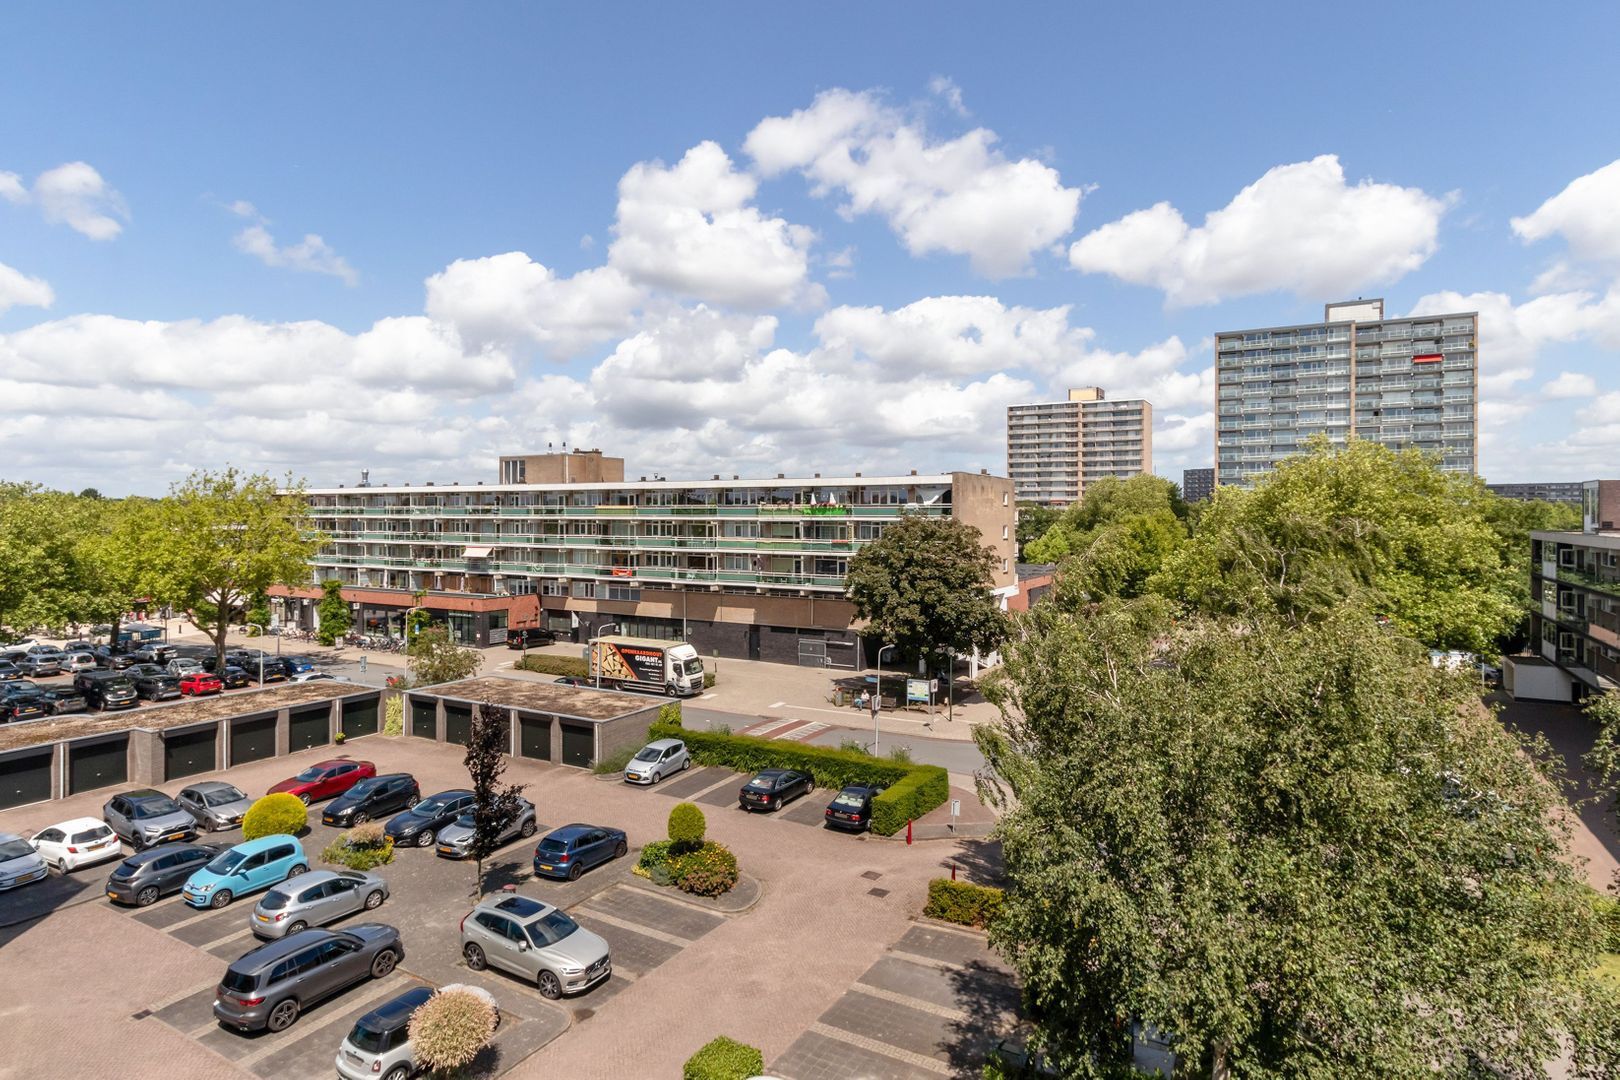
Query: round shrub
x,y
274,814
449,1029
708,871
686,827
361,848
724,1059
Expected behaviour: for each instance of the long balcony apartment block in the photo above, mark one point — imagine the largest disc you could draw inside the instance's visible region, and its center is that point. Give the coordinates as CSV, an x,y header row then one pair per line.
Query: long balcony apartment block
x,y
1575,605
1056,448
744,568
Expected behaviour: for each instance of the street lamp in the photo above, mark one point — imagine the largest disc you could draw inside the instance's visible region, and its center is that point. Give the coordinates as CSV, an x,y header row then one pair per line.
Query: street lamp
x,y
596,668
877,699
262,631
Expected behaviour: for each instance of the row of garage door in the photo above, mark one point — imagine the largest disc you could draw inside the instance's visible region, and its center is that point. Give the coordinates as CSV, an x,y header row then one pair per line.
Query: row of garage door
x,y
534,731
25,776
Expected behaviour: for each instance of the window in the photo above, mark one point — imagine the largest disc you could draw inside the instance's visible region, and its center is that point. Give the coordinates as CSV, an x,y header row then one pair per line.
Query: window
x,y
584,590
1005,532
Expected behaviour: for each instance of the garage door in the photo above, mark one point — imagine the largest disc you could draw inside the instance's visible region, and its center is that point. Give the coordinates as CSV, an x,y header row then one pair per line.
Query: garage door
x,y
309,727
359,717
534,733
424,718
253,739
187,753
579,744
25,778
98,764
457,723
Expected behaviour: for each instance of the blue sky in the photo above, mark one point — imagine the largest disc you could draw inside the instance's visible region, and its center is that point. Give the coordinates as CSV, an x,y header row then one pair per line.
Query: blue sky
x,y
743,239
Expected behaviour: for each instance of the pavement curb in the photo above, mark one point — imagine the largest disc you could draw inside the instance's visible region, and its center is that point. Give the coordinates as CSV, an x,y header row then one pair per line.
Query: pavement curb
x,y
941,924
671,893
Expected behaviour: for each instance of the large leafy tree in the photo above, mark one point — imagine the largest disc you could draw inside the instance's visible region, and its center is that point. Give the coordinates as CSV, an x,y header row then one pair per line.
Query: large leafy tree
x,y
1033,522
925,586
115,562
433,658
1295,846
1417,544
38,573
334,612
220,538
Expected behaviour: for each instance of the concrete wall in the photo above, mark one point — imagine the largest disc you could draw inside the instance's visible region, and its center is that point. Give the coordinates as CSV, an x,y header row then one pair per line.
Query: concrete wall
x,y
575,467
986,503
613,734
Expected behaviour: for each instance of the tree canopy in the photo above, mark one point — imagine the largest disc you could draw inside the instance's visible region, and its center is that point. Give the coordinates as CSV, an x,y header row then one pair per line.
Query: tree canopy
x,y
1115,539
1295,846
433,658
925,586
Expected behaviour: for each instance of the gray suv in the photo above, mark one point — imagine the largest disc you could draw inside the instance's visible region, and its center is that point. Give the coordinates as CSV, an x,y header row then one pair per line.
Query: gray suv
x,y
268,987
145,817
314,899
536,941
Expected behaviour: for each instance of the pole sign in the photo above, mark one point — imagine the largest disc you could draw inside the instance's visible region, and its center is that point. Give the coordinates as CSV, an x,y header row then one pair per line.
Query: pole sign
x,y
917,691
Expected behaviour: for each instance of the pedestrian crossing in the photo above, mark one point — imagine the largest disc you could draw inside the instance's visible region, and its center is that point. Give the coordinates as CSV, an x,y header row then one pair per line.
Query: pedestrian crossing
x,y
787,727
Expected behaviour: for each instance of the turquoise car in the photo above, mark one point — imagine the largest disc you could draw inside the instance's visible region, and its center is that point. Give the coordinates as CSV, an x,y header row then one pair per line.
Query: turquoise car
x,y
245,868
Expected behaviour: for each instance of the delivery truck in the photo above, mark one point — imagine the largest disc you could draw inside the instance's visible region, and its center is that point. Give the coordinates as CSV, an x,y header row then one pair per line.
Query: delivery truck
x,y
663,667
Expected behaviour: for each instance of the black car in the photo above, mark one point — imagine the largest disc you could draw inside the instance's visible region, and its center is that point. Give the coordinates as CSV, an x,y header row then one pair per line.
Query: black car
x,y
851,809
106,689
111,658
141,879
78,646
64,699
528,637
235,678
156,685
9,671
420,824
773,788
22,700
372,797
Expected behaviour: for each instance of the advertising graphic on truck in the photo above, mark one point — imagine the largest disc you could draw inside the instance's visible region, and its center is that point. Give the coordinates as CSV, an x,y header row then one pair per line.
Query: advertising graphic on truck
x,y
647,664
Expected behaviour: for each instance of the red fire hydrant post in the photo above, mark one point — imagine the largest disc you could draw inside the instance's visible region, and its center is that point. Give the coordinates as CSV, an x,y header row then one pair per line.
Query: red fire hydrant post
x,y
953,871
908,832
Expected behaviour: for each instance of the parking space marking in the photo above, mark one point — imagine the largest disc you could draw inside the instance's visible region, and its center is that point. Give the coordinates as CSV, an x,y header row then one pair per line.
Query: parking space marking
x,y
376,990
917,1061
776,705
181,996
924,961
944,1011
626,924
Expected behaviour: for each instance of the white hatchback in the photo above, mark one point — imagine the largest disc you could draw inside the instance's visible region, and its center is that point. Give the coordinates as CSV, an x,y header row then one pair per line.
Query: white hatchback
x,y
656,760
76,843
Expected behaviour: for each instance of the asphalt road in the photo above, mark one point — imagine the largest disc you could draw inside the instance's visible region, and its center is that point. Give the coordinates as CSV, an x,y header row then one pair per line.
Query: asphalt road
x,y
955,755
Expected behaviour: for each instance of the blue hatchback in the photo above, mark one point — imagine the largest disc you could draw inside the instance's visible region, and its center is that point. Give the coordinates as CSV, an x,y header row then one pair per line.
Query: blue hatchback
x,y
571,850
245,868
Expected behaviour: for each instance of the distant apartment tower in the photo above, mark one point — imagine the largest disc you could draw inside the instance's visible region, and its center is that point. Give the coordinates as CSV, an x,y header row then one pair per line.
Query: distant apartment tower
x,y
1568,491
1411,382
1056,448
1197,484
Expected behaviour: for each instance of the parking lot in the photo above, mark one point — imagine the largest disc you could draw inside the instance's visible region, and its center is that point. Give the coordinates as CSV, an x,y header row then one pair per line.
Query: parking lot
x,y
684,969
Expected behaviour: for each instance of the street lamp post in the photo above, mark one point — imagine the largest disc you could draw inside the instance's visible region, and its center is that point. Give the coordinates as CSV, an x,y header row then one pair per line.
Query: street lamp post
x,y
596,668
262,631
877,699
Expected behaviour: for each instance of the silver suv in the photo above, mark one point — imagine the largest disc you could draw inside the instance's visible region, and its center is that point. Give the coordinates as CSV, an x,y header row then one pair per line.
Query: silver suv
x,y
145,817
270,986
536,941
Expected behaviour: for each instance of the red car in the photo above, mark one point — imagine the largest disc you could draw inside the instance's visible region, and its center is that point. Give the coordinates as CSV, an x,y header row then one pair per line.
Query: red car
x,y
326,779
199,683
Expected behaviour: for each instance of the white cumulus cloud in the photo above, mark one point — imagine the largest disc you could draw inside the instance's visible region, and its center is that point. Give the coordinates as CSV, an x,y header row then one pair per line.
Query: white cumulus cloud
x,y
311,255
1586,214
17,289
75,195
1300,227
510,298
960,196
1570,384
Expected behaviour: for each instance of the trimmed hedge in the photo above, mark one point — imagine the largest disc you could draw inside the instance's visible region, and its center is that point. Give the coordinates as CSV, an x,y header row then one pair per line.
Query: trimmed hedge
x,y
912,790
724,1059
554,665
273,815
962,902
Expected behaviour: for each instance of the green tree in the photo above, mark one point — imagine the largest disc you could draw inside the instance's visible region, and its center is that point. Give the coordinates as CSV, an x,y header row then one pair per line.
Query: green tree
x,y
220,538
38,534
434,659
1414,543
1033,521
333,611
113,559
1296,847
1115,539
924,585
495,805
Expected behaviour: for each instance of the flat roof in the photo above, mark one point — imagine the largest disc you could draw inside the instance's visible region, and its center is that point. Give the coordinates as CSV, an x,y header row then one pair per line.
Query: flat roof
x,y
662,485
533,695
175,714
1351,322
1607,539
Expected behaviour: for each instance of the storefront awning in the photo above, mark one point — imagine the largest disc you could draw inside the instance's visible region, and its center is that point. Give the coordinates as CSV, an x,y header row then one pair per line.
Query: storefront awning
x,y
476,553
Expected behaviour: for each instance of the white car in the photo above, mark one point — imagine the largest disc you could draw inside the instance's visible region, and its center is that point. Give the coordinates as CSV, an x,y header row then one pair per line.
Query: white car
x,y
19,863
77,843
657,760
317,676
183,665
75,662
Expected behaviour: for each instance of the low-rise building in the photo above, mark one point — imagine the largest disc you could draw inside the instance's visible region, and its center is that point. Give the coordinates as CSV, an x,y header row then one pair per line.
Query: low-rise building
x,y
1575,598
744,568
1567,491
1197,484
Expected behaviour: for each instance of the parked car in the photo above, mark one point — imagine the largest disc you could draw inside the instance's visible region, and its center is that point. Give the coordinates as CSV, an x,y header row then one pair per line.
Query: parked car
x,y
420,824
147,875
214,804
235,678
315,899
326,779
245,868
144,817
39,648
574,680
9,671
112,659
19,862
535,941
60,700
22,700
772,789
455,839
156,687
851,808
293,665
75,662
76,843
153,652
527,637
79,646
371,798
182,666
268,987
200,684
110,689
318,676
41,665
573,849
656,760
379,1044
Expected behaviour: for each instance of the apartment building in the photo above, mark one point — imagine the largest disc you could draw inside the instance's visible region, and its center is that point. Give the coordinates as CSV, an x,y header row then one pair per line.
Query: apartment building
x,y
1410,382
1575,605
744,568
1568,491
1197,484
1055,448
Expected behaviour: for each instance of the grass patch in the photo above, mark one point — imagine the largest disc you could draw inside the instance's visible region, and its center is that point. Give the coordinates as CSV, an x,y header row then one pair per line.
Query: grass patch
x,y
616,761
